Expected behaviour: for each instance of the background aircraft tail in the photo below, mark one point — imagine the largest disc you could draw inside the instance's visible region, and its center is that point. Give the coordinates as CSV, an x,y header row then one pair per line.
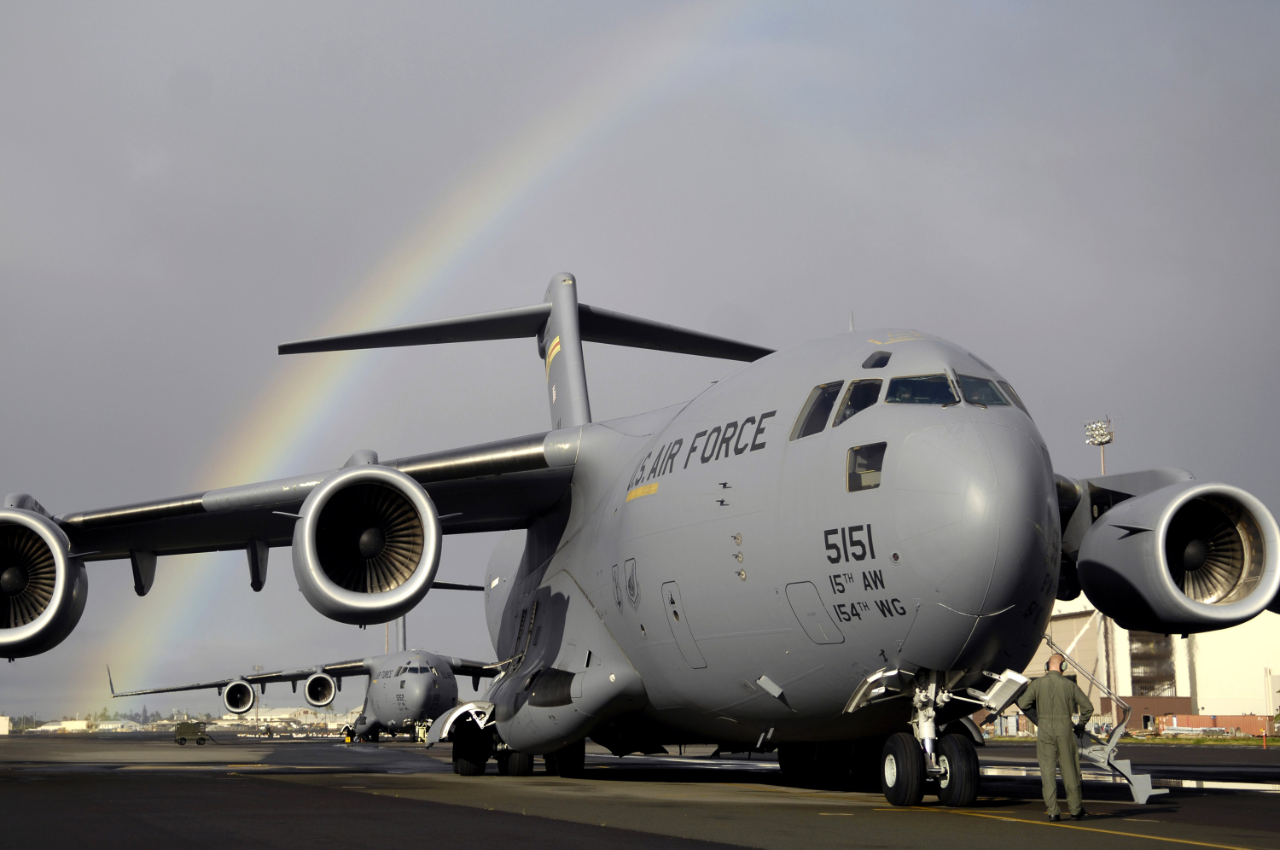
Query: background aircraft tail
x,y
560,324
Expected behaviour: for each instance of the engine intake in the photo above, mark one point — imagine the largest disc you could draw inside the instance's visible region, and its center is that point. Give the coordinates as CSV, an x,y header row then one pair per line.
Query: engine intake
x,y
1189,557
239,697
42,588
368,545
320,689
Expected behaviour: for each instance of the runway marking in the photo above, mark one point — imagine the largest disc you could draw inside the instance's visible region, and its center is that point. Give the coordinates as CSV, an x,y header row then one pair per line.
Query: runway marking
x,y
1069,826
836,814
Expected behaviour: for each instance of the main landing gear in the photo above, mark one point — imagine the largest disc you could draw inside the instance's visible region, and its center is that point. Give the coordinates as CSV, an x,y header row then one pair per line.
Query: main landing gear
x,y
473,746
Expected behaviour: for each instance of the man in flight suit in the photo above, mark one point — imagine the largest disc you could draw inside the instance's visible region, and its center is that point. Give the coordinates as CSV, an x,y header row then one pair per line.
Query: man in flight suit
x,y
1050,701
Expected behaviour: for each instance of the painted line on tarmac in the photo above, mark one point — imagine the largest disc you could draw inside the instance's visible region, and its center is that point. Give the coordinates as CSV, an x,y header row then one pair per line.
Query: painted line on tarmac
x,y
1068,826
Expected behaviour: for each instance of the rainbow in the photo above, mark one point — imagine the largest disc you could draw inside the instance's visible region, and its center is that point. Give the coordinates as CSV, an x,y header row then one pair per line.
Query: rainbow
x,y
290,413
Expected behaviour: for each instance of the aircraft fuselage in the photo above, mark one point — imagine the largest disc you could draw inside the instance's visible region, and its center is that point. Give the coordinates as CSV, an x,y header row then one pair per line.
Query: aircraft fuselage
x,y
405,688
752,575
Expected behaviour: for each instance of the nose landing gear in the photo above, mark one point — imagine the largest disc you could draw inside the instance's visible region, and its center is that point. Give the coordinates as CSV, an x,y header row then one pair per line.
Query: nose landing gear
x,y
920,760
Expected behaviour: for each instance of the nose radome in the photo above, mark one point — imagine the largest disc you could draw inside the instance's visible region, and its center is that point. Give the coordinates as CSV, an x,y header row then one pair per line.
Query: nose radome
x,y
971,506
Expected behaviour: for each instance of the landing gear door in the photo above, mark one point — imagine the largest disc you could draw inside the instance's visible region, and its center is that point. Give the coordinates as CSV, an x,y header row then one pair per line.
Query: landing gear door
x,y
678,619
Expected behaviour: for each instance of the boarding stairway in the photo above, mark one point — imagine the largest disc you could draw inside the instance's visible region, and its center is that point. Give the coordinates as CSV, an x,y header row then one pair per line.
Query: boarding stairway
x,y
1103,753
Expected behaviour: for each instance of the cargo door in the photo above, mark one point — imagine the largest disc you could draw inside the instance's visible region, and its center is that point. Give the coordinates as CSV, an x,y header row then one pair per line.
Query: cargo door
x,y
678,620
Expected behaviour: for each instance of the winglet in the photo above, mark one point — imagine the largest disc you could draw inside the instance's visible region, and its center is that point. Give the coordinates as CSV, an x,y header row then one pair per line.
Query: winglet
x,y
110,683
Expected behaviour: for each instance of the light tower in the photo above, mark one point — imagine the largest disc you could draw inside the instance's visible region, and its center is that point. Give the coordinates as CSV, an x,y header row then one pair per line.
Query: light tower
x,y
1099,434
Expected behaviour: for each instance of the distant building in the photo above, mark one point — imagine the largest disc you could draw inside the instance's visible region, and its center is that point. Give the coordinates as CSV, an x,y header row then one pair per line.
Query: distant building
x,y
119,726
298,716
4,725
58,726
1223,672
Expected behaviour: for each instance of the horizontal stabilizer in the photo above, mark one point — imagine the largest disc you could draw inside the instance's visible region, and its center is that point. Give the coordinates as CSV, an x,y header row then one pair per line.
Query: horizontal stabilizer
x,y
596,325
617,329
517,323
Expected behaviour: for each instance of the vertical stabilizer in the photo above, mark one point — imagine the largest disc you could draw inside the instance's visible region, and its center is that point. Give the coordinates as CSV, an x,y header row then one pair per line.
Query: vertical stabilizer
x,y
560,345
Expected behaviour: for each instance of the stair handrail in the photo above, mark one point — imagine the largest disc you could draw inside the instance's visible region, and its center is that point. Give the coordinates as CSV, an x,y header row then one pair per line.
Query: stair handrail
x,y
1118,732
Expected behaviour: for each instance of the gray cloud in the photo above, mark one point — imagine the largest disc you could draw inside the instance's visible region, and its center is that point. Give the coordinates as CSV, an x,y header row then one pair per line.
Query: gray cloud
x,y
1086,196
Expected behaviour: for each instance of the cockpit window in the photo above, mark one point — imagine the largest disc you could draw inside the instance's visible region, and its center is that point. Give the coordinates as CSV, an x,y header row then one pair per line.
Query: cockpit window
x,y
861,395
921,389
878,360
1009,391
980,391
817,409
863,466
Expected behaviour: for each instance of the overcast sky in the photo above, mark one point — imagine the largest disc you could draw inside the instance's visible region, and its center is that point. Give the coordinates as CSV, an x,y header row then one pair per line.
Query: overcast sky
x,y
1086,196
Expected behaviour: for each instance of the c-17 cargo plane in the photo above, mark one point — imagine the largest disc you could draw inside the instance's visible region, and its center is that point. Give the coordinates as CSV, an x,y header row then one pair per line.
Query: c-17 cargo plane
x,y
840,551
406,691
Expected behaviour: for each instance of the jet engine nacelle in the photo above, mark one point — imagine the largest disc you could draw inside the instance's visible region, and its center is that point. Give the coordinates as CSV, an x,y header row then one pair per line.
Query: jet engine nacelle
x,y
1189,557
239,697
42,588
320,689
367,546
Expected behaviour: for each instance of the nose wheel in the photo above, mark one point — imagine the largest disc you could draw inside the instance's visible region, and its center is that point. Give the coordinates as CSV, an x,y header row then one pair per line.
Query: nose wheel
x,y
902,771
958,771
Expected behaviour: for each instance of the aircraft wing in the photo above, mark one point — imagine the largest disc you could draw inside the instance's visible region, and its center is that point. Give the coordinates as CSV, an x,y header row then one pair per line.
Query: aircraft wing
x,y
489,487
337,670
474,669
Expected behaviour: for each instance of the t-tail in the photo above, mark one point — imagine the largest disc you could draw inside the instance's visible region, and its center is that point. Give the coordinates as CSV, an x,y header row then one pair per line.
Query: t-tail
x,y
560,325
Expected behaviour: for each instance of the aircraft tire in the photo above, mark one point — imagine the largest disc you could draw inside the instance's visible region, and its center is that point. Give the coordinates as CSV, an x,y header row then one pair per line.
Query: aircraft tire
x,y
826,763
864,768
832,762
902,770
518,764
568,761
958,785
182,742
796,761
471,749
469,765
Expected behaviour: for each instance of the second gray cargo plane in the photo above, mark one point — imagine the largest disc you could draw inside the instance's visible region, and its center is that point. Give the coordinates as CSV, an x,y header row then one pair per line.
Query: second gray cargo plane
x,y
407,690
839,551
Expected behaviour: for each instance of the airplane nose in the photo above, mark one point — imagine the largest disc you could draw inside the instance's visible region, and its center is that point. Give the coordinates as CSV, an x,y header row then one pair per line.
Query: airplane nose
x,y
976,524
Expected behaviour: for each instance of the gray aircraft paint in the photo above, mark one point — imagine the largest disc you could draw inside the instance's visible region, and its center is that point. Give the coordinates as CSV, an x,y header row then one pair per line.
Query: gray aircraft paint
x,y
706,572
396,699
964,529
404,689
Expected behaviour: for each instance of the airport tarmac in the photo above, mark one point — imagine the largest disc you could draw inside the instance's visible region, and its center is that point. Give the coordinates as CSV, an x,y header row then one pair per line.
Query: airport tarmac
x,y
127,790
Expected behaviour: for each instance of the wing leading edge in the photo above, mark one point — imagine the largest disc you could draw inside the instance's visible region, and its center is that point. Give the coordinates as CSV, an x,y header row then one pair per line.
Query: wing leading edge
x,y
359,667
488,487
338,670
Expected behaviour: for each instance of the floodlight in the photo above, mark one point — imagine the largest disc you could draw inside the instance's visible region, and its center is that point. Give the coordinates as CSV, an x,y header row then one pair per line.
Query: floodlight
x,y
1098,433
